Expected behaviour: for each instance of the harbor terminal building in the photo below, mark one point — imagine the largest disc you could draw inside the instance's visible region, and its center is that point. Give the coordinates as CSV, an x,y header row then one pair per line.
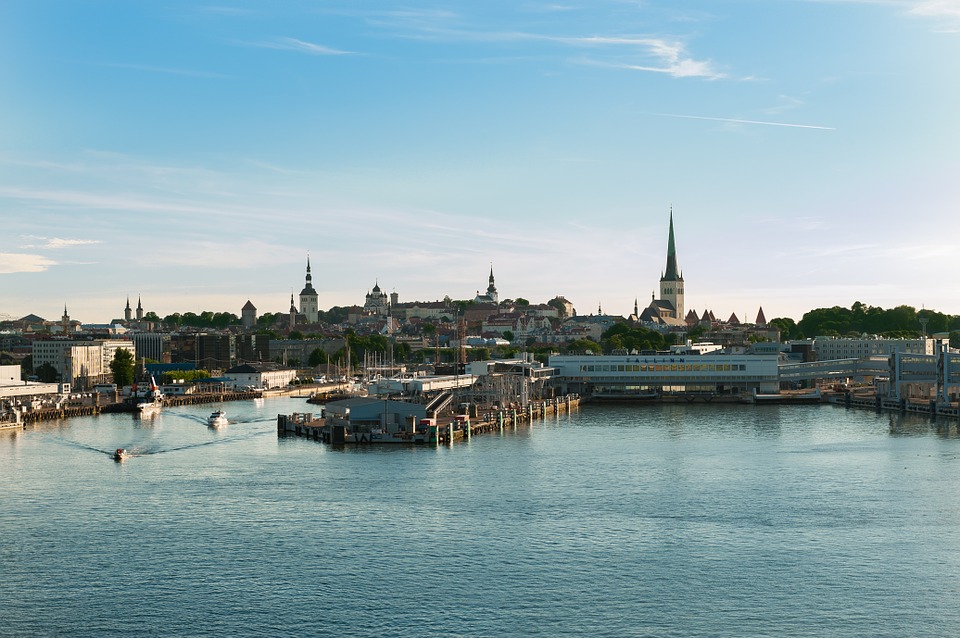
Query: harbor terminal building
x,y
633,376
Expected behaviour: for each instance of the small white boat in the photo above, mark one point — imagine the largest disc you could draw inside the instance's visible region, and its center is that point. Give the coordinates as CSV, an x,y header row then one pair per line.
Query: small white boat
x,y
217,419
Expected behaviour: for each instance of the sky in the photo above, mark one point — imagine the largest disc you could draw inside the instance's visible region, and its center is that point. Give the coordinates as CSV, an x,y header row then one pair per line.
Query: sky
x,y
193,155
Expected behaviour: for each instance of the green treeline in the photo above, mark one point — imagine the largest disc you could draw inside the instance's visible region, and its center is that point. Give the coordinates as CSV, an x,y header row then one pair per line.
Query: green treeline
x,y
902,322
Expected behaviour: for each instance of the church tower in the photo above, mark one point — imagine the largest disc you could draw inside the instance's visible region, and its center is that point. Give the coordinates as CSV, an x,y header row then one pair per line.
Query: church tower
x,y
309,299
139,310
671,281
65,320
491,295
492,288
127,312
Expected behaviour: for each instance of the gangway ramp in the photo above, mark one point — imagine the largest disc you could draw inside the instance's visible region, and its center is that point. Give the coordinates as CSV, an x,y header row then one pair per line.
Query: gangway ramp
x,y
438,404
835,369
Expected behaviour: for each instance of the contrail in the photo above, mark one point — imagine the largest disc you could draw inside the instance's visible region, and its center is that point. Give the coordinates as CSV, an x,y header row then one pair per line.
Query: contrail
x,y
728,119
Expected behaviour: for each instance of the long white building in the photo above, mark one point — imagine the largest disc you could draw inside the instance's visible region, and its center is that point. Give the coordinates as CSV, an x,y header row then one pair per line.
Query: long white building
x,y
627,375
828,348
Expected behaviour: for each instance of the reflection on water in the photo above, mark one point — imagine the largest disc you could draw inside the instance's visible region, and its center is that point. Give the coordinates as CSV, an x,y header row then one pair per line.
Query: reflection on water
x,y
628,520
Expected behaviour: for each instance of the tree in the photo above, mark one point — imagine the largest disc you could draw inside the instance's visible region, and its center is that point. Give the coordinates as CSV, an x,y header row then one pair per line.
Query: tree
x,y
520,301
557,303
787,327
295,334
401,351
185,375
47,373
583,345
151,316
508,335
317,357
122,367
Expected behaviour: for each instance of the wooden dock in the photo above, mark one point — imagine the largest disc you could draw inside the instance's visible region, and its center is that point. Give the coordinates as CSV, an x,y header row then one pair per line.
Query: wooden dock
x,y
444,430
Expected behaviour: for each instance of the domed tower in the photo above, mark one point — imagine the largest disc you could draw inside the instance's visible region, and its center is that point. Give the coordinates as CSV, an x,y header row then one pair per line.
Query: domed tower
x,y
309,299
671,281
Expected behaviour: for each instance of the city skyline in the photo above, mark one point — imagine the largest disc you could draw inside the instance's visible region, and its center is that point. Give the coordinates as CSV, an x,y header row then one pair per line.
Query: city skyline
x,y
192,156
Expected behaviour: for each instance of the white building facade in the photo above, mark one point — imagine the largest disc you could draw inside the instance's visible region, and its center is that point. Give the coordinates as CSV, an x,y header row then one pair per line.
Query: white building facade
x,y
82,364
828,348
260,375
639,374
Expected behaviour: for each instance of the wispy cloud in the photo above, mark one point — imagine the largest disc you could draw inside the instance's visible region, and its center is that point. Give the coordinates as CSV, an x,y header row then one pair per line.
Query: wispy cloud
x,y
946,11
739,121
300,46
937,8
11,263
52,243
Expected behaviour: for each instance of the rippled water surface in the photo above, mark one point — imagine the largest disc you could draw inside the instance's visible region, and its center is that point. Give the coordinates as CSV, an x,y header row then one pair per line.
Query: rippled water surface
x,y
612,521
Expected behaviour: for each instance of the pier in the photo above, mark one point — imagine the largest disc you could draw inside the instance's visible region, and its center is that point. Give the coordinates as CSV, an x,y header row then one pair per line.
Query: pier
x,y
929,407
441,430
95,406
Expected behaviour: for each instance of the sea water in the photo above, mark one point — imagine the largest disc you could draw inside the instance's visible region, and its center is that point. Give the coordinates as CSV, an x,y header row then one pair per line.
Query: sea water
x,y
644,520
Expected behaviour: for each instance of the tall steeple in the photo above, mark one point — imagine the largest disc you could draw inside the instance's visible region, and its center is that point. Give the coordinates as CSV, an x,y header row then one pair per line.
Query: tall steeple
x,y
492,287
671,282
671,273
127,312
309,299
491,295
139,310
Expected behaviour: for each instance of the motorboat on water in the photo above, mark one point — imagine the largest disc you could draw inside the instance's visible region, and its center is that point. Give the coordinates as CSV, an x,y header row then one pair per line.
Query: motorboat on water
x,y
217,419
120,454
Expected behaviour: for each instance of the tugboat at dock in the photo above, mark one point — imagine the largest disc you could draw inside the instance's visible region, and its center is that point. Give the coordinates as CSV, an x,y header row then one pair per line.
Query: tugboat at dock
x,y
149,400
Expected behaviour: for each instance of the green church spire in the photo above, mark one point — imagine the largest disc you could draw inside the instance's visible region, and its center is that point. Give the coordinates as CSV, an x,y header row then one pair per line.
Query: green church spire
x,y
671,273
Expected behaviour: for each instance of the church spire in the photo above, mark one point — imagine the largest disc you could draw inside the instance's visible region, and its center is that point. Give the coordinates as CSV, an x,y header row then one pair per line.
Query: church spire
x,y
671,273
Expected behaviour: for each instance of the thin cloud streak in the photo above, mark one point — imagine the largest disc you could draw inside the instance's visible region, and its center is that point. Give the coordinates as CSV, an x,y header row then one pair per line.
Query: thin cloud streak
x,y
300,46
739,121
52,243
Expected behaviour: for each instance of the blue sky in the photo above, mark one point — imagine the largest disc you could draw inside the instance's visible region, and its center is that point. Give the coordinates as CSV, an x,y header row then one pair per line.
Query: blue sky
x,y
192,154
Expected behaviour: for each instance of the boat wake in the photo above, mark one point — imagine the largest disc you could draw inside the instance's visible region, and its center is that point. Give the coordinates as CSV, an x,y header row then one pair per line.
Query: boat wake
x,y
191,446
149,450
